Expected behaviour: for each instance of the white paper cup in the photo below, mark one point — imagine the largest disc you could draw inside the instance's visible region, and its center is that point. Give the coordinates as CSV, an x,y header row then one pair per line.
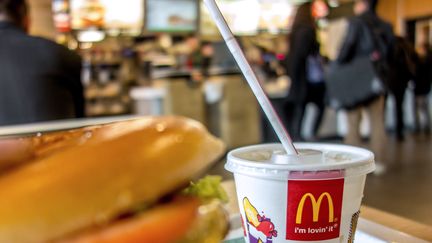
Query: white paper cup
x,y
314,200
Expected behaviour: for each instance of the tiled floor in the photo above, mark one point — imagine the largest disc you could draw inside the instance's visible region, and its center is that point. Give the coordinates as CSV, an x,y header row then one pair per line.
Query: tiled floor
x,y
405,188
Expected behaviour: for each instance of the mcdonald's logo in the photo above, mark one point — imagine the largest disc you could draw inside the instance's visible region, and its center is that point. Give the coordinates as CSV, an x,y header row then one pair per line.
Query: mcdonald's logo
x,y
314,209
316,206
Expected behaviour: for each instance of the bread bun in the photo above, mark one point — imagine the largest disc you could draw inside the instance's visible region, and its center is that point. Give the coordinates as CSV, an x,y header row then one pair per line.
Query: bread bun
x,y
17,151
112,169
14,152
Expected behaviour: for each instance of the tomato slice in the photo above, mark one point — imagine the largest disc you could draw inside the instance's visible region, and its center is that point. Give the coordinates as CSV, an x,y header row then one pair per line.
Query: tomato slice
x,y
163,224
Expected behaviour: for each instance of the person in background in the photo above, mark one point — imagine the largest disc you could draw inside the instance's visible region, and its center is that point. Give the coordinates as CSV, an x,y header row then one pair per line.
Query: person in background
x,y
303,44
39,79
207,52
403,65
316,89
356,44
199,57
422,89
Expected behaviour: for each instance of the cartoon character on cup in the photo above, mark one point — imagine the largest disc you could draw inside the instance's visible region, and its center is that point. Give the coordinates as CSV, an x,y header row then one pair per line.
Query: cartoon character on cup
x,y
258,225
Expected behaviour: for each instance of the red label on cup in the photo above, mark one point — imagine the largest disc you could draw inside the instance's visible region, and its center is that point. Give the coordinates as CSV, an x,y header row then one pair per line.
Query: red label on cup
x,y
314,209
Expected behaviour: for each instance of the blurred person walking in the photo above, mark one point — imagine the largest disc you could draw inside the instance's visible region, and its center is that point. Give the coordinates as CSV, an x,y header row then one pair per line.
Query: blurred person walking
x,y
422,89
403,65
39,79
303,67
368,36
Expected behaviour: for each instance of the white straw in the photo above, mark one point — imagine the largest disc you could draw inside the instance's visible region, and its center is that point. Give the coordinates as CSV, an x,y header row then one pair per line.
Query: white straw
x,y
250,77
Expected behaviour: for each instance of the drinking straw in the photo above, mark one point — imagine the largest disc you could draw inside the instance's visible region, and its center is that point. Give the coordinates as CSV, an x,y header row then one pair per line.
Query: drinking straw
x,y
250,76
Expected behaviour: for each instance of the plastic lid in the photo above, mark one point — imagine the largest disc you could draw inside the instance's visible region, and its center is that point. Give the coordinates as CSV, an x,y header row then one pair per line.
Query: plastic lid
x,y
336,161
306,156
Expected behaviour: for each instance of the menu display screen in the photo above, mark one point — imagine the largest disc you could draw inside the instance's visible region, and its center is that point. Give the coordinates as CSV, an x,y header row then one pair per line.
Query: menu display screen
x,y
87,14
61,15
125,16
245,21
171,15
272,16
276,15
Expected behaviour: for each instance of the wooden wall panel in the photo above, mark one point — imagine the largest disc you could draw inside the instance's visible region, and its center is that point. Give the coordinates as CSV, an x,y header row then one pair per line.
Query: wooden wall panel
x,y
398,11
41,19
417,8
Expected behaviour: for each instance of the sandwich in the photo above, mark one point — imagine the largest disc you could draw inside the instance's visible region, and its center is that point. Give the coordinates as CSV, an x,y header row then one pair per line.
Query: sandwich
x,y
126,182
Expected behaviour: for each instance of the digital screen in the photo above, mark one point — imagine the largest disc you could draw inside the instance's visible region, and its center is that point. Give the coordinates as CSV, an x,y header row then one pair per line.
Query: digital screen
x,y
272,16
171,15
276,15
61,15
207,25
87,14
245,21
125,16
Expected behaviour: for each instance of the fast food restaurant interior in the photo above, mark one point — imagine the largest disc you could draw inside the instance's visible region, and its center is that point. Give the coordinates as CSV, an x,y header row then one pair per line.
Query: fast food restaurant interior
x,y
99,61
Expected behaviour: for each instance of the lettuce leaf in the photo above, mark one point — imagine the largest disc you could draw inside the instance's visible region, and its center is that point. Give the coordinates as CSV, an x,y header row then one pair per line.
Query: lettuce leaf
x,y
208,187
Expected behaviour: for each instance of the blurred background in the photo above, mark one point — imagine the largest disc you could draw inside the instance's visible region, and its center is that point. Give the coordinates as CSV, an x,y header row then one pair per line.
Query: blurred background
x,y
132,51
162,57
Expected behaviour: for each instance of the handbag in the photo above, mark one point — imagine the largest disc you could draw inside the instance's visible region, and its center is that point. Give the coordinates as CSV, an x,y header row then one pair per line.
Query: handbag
x,y
314,69
352,84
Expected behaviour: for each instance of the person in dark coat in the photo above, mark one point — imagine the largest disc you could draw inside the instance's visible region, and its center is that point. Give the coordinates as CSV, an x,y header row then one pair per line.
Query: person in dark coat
x,y
403,65
422,89
302,44
360,42
39,79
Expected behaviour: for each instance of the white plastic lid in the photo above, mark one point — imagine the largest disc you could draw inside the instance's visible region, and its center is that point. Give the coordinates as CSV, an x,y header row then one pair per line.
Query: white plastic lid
x,y
337,161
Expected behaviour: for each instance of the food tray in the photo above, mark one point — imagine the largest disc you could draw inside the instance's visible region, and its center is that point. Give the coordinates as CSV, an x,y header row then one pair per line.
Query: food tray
x,y
367,231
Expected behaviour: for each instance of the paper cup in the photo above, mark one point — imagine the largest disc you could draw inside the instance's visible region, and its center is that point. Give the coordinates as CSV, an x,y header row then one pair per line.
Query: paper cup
x,y
314,200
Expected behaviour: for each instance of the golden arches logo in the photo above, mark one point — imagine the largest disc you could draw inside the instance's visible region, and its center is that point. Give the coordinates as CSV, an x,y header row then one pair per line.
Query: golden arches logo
x,y
316,205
